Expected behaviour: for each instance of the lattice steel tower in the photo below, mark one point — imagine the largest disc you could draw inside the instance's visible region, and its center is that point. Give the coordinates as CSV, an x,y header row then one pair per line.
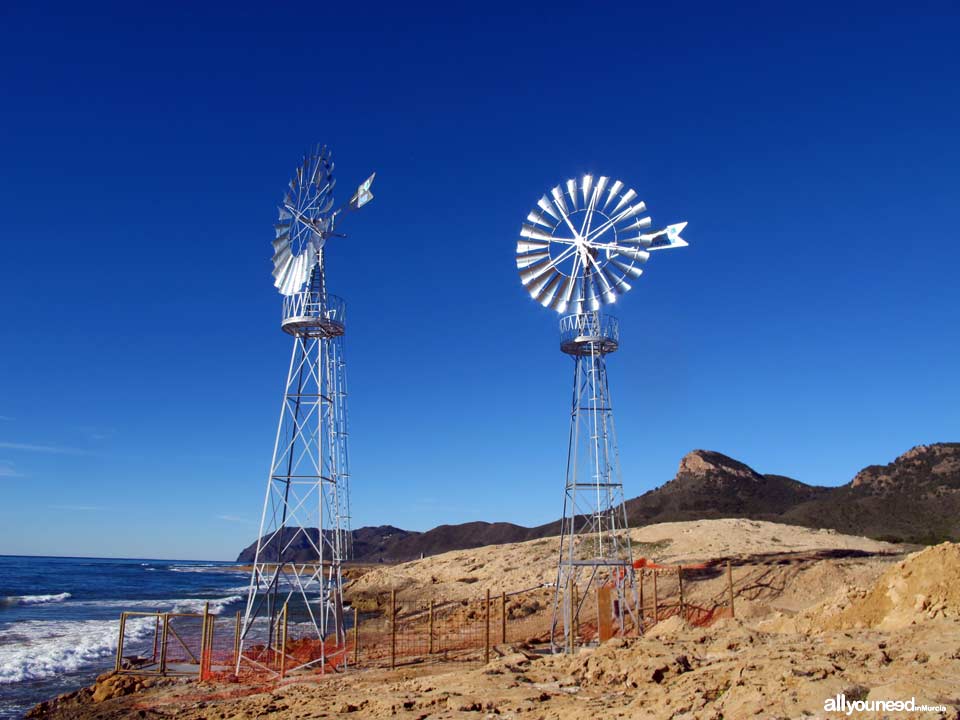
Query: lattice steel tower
x,y
294,611
577,251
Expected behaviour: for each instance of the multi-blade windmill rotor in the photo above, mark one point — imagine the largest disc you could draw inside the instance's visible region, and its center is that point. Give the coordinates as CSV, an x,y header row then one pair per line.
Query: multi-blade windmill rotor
x,y
307,220
584,243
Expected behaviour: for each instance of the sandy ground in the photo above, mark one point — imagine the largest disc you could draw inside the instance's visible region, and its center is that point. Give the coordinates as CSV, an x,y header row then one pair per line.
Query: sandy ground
x,y
465,574
818,614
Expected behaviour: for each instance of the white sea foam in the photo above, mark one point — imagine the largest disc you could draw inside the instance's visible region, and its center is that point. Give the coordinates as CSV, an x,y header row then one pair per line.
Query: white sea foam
x,y
206,569
11,600
181,605
37,649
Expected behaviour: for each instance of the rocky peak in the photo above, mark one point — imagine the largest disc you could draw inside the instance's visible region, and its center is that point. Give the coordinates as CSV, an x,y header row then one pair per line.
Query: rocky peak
x,y
919,465
710,465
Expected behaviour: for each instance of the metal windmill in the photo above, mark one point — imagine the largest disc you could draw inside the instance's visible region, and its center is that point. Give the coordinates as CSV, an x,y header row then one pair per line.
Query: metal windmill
x,y
580,248
305,526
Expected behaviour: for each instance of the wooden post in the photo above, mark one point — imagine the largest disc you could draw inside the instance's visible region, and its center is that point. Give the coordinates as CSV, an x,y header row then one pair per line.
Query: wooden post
x,y
156,637
486,632
576,616
640,614
163,643
123,625
730,587
283,642
605,614
430,649
236,641
356,636
656,600
680,584
571,610
393,629
503,618
204,632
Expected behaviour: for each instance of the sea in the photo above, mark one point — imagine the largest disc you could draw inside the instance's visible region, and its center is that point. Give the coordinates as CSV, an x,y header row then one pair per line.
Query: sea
x,y
59,617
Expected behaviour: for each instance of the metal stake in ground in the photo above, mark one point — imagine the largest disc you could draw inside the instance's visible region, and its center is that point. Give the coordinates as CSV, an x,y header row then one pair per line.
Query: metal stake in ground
x,y
579,249
307,502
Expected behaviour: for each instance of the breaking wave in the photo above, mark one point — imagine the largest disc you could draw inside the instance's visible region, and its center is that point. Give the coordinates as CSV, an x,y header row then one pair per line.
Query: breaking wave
x,y
37,649
12,600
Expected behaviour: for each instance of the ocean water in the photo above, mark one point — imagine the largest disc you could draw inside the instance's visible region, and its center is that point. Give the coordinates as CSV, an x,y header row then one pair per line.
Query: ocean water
x,y
59,617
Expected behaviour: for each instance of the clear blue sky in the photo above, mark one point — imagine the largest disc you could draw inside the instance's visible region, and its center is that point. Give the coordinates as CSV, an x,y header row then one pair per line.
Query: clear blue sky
x,y
809,329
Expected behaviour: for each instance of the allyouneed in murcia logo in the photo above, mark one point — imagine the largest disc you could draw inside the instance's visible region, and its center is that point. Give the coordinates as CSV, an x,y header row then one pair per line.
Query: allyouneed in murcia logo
x,y
840,704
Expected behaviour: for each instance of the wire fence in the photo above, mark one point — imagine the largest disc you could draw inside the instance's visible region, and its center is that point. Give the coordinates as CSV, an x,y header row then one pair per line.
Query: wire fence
x,y
417,629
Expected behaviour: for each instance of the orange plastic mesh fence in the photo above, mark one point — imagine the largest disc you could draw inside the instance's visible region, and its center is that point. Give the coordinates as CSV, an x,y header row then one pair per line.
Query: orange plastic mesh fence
x,y
418,631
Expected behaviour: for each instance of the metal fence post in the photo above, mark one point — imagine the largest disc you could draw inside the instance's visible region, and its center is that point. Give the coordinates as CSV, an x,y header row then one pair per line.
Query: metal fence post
x,y
430,647
356,636
486,632
283,642
730,587
123,625
656,600
393,629
680,584
503,618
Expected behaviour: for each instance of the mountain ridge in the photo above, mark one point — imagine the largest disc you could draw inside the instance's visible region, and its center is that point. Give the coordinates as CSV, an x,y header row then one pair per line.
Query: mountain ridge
x,y
915,498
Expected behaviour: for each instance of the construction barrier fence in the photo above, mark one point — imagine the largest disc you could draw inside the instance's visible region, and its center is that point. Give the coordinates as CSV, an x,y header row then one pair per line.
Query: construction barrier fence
x,y
413,630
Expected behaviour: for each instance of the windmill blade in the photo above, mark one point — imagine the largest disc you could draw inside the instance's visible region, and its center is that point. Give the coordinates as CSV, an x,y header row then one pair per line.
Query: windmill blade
x,y
572,192
562,298
280,242
525,261
599,188
280,257
539,219
549,291
559,201
627,269
633,253
614,189
628,196
536,286
535,270
586,184
544,204
281,270
527,245
535,233
633,211
326,205
285,214
638,224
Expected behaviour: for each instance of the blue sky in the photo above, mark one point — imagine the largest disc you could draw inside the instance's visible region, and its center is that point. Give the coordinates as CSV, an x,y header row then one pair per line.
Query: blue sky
x,y
809,329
